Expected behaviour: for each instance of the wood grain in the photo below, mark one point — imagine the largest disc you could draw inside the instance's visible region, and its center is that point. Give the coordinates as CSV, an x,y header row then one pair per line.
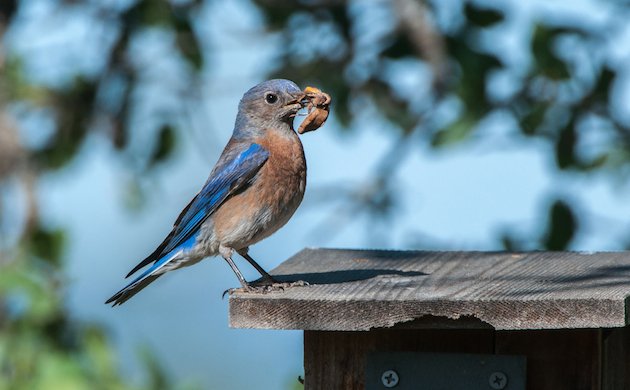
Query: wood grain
x,y
356,290
557,359
336,360
616,359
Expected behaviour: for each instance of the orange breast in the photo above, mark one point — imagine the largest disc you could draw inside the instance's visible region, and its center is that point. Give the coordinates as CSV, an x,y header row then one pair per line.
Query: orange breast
x,y
266,205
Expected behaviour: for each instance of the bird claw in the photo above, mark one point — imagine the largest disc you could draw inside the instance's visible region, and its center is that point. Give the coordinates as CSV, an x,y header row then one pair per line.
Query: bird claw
x,y
278,286
229,291
248,288
265,288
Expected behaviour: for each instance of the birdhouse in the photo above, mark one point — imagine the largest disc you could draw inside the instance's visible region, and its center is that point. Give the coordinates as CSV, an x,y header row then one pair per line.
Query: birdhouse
x,y
452,320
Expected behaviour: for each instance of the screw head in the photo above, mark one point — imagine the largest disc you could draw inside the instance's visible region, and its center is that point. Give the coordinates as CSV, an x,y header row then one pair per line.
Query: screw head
x,y
498,380
390,378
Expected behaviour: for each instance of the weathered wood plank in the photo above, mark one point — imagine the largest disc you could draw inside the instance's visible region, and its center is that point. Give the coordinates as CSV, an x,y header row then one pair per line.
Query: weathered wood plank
x,y
616,359
557,359
361,290
336,360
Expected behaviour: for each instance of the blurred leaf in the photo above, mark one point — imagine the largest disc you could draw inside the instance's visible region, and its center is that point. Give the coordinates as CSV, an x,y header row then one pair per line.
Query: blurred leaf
x,y
165,146
134,195
534,118
100,360
120,120
392,107
565,147
41,345
57,371
454,133
32,295
148,13
561,227
547,62
475,67
399,46
74,107
48,244
277,14
7,10
341,102
604,84
508,243
597,162
482,17
16,85
187,41
157,376
339,14
296,383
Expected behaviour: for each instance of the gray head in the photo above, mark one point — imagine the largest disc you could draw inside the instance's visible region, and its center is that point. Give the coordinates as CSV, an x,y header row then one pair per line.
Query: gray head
x,y
270,104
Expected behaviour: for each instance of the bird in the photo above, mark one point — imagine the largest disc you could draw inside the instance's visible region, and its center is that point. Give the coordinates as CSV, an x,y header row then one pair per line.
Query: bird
x,y
254,188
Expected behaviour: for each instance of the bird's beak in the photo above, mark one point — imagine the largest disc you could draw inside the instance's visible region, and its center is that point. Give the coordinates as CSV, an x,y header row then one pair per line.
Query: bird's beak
x,y
296,104
300,99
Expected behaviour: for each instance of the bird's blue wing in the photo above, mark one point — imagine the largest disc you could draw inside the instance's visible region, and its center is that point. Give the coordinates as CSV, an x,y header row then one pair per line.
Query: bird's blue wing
x,y
230,175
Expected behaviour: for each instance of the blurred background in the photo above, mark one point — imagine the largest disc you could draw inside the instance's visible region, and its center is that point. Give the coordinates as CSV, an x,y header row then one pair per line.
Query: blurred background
x,y
455,125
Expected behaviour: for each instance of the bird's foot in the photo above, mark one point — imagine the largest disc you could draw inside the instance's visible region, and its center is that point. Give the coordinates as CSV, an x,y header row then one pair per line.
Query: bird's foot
x,y
246,288
263,287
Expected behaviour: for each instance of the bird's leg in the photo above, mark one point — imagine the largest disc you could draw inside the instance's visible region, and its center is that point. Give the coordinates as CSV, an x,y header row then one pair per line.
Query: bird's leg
x,y
267,279
238,273
226,253
268,283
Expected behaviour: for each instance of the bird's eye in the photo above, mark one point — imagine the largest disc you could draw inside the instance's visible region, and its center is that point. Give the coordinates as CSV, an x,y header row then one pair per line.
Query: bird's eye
x,y
271,98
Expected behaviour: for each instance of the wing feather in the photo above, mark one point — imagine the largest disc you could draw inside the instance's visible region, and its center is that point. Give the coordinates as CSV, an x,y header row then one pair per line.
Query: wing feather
x,y
233,172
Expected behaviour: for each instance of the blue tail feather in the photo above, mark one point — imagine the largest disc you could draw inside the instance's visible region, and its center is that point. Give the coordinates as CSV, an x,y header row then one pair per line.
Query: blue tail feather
x,y
149,274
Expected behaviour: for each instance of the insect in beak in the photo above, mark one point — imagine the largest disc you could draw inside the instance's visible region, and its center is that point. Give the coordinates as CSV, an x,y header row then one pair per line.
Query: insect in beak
x,y
318,104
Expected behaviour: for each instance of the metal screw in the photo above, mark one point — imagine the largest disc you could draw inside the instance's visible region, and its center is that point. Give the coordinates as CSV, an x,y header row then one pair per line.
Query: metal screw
x,y
498,380
390,378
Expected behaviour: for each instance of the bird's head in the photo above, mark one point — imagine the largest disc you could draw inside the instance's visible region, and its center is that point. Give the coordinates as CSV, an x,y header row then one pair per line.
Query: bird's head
x,y
272,103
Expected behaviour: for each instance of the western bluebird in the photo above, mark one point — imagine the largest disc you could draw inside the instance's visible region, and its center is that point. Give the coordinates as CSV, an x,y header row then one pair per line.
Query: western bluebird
x,y
253,190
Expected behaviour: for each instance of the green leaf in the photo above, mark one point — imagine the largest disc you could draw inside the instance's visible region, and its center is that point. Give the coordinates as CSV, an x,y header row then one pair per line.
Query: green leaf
x,y
165,144
603,85
456,132
155,371
48,244
56,371
8,8
148,13
596,163
74,106
482,17
565,147
547,62
395,109
16,85
561,227
187,42
339,14
531,121
399,46
475,67
277,14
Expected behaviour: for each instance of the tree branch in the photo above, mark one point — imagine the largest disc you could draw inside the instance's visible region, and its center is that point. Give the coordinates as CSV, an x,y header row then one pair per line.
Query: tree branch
x,y
428,43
